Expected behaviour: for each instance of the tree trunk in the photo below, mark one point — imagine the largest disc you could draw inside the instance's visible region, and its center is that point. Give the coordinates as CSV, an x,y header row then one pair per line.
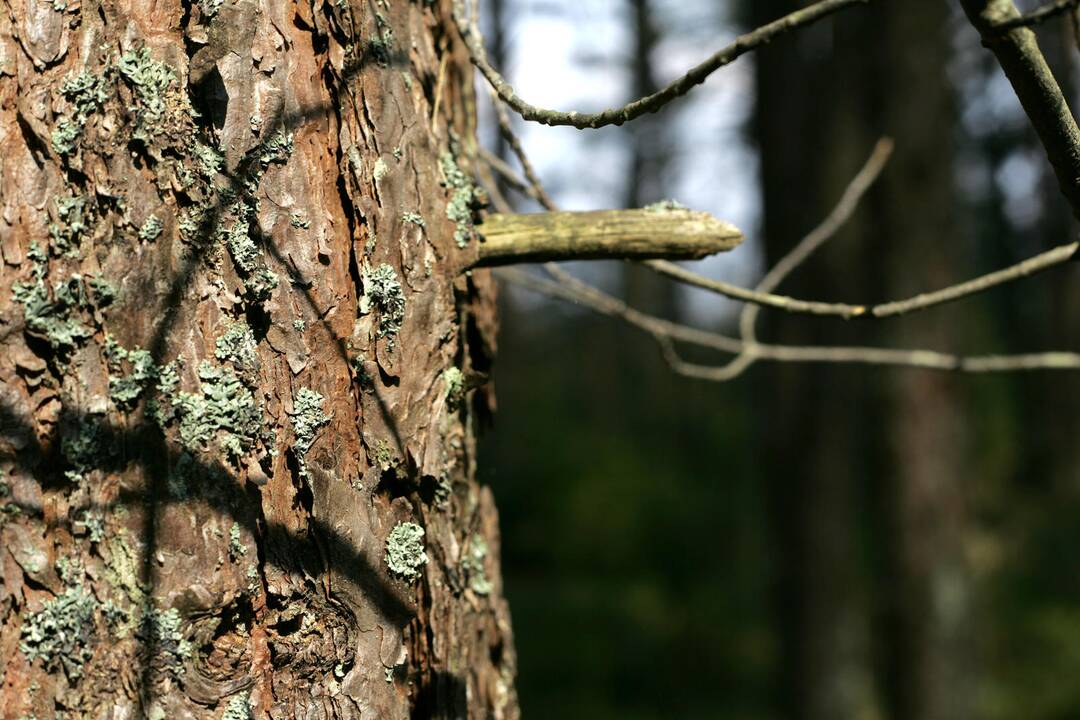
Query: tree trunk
x,y
238,366
648,145
928,594
818,444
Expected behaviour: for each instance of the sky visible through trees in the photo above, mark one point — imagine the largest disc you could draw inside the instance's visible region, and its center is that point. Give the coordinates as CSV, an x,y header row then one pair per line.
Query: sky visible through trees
x,y
644,536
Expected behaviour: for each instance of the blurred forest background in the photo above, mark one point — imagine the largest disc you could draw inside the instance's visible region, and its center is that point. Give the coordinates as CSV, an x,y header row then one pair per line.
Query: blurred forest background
x,y
806,541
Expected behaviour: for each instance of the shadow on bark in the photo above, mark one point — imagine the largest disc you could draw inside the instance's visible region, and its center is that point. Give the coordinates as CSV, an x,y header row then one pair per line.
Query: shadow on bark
x,y
319,550
300,553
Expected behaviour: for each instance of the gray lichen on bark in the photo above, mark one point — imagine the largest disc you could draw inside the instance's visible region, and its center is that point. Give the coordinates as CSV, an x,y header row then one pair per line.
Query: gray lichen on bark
x,y
189,180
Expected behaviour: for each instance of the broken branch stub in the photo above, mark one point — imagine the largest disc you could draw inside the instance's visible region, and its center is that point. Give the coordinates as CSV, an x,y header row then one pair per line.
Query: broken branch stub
x,y
673,234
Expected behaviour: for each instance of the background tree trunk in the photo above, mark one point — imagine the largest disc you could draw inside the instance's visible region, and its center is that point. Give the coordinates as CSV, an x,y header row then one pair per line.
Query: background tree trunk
x,y
867,466
235,366
648,146
926,591
819,443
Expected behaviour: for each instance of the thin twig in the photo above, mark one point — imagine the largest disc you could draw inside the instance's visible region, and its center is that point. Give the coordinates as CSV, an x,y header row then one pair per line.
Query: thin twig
x,y
1038,263
650,103
490,186
507,131
1039,14
666,332
836,219
735,292
747,350
512,179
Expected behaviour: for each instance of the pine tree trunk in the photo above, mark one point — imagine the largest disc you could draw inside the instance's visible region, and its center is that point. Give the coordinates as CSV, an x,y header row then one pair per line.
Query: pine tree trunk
x,y
239,367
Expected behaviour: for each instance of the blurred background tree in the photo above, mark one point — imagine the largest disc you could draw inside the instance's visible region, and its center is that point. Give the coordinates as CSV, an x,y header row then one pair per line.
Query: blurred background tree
x,y
804,542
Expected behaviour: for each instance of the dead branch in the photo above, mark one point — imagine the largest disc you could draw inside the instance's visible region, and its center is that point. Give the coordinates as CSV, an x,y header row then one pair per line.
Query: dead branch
x,y
603,234
666,332
1017,51
1039,14
651,103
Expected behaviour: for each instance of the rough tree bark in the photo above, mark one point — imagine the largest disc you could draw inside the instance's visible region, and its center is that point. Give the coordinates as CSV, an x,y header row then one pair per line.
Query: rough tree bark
x,y
238,370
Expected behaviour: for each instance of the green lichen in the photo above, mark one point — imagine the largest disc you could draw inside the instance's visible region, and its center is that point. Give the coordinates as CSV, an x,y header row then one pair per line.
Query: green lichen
x,y
473,565
308,417
299,325
223,409
380,170
414,218
123,568
117,618
277,149
356,163
84,449
162,108
297,220
237,346
70,570
382,455
50,316
210,7
192,221
455,387
444,488
85,93
162,409
238,708
665,206
161,631
362,375
74,220
261,284
151,229
104,291
236,547
253,579
258,280
464,198
207,159
95,526
61,633
381,47
405,550
48,311
126,389
382,290
242,248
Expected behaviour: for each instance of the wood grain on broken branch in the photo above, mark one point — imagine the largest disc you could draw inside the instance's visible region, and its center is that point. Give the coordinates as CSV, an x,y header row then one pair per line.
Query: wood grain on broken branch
x,y
605,234
650,103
